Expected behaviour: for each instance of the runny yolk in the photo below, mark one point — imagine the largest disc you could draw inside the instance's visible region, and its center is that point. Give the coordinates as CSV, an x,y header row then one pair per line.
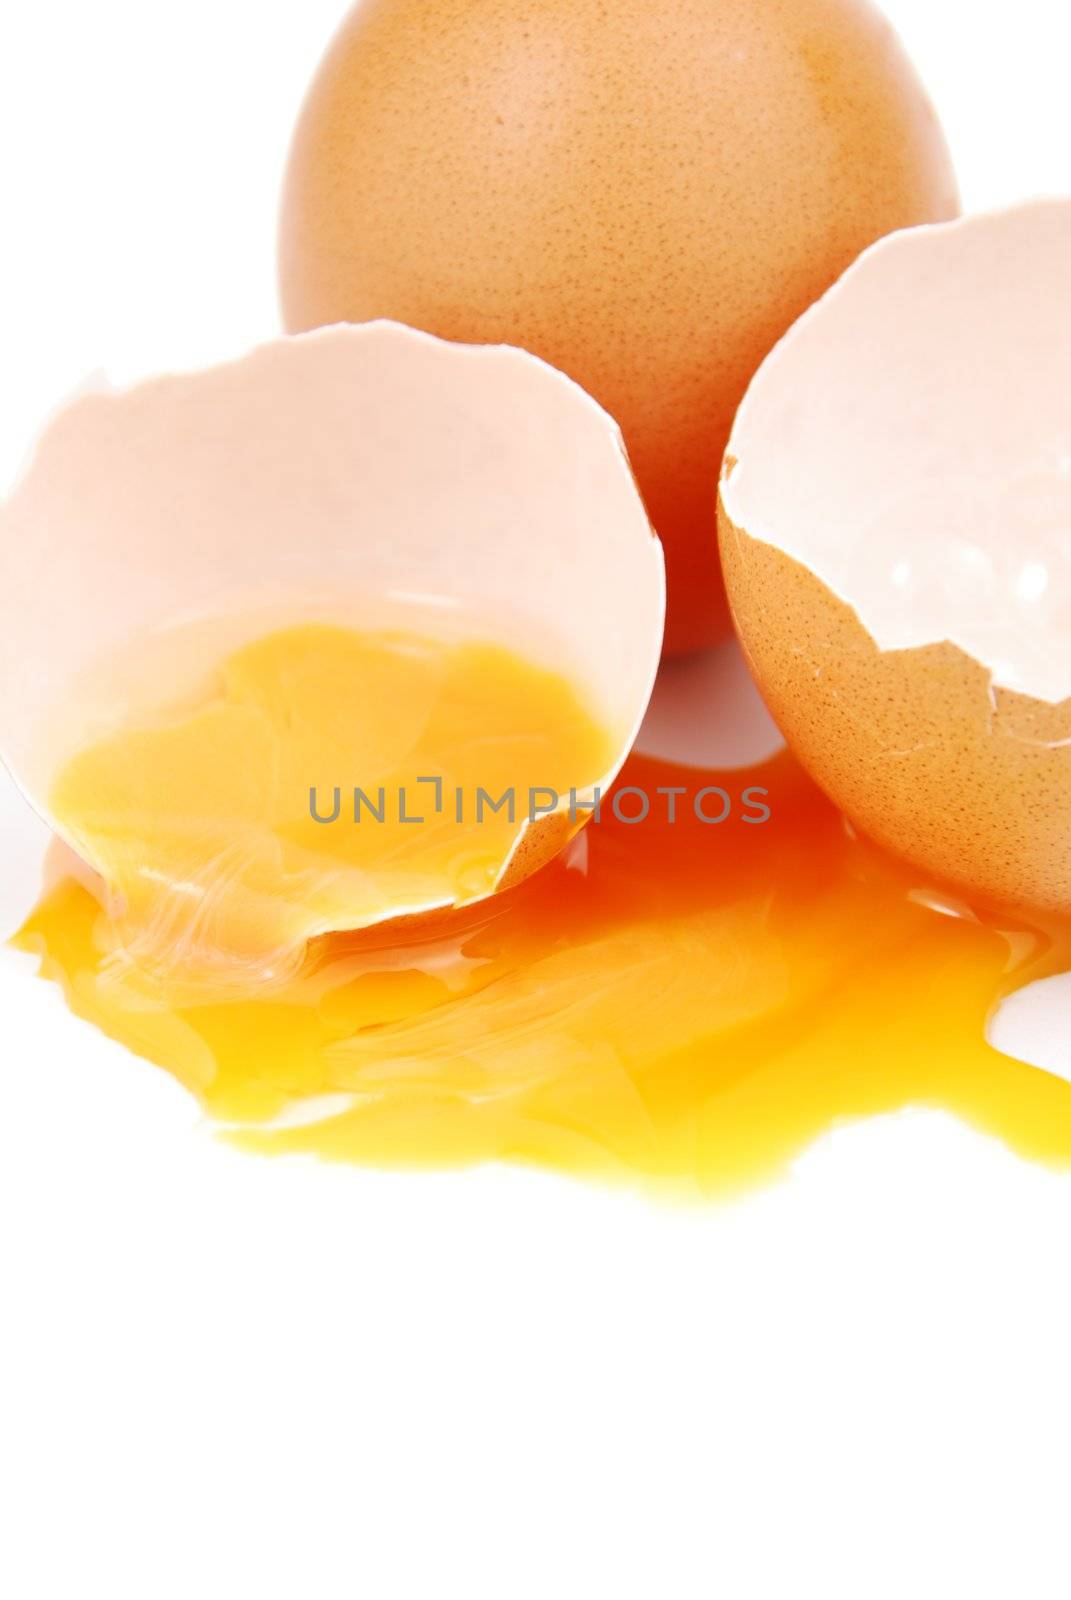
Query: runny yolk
x,y
684,1000
328,778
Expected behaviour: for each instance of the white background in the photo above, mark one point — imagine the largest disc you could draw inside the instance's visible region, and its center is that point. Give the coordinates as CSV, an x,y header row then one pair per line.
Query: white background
x,y
226,1378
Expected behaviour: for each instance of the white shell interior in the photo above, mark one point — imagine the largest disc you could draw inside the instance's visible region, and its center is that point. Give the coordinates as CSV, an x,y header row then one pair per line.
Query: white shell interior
x,y
348,474
909,440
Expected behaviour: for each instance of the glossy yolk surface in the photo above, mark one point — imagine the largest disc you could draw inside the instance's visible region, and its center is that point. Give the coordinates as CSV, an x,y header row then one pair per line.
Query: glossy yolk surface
x,y
684,1003
229,833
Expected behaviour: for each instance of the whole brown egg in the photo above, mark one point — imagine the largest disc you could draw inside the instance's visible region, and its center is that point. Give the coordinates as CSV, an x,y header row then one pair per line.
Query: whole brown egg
x,y
646,193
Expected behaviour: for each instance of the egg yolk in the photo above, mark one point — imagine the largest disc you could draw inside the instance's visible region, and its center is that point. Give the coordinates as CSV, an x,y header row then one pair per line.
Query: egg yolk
x,y
707,977
326,778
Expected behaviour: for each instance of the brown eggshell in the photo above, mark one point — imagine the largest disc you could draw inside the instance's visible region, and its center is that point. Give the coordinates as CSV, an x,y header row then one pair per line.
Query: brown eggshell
x,y
910,743
894,521
646,195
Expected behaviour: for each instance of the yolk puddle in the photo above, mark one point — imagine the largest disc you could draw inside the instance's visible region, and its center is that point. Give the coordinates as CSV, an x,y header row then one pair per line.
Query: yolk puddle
x,y
685,1000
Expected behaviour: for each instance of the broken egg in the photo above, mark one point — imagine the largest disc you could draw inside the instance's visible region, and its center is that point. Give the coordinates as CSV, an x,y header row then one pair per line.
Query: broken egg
x,y
655,1004
347,630
896,540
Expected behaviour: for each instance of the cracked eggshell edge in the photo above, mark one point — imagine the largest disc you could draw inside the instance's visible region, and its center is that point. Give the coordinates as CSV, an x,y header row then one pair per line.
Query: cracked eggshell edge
x,y
477,473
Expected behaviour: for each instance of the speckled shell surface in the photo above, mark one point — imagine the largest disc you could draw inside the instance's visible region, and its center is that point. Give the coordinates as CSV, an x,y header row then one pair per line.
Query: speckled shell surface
x,y
972,783
645,193
895,510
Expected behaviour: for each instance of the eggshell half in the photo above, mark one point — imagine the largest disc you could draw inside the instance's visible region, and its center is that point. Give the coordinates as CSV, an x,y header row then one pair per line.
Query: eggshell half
x,y
895,526
363,474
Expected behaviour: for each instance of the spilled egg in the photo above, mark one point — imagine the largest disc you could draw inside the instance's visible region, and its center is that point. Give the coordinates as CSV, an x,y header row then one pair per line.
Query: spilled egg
x,y
264,884
282,625
681,1004
360,561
